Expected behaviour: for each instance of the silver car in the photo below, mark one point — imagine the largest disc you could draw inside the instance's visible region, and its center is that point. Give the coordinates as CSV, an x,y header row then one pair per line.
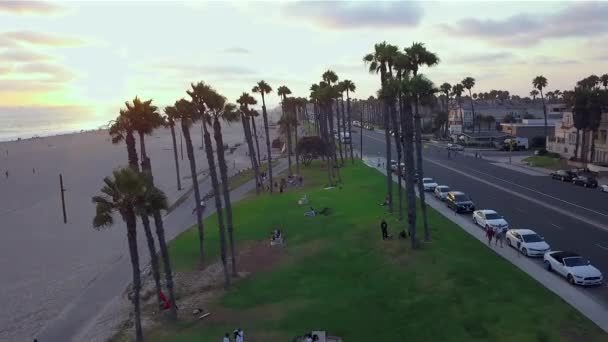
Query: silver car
x,y
441,192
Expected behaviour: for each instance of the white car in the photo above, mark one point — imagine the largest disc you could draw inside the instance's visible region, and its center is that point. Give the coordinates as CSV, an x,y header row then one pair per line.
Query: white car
x,y
603,187
490,218
527,242
441,192
573,267
429,184
455,147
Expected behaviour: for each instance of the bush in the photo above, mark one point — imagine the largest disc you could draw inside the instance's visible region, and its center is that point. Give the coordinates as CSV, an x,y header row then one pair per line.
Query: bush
x,y
310,148
538,141
542,152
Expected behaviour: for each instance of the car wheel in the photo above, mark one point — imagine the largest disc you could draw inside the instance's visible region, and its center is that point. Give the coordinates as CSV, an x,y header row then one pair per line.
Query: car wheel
x,y
509,243
474,220
547,265
524,251
571,279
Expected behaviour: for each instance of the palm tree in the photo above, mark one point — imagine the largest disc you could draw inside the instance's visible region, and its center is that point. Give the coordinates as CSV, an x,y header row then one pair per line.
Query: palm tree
x,y
379,61
604,80
317,95
253,114
445,89
350,87
540,82
170,116
244,101
490,119
421,88
263,88
208,103
146,119
331,94
124,193
283,91
122,129
340,120
534,93
457,91
468,83
188,114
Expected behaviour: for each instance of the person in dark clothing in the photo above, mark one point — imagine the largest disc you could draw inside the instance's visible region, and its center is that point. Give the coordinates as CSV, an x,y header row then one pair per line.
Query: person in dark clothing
x,y
384,228
403,234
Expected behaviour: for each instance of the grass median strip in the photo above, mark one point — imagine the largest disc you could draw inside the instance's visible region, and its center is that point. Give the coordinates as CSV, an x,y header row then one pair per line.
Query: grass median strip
x,y
336,274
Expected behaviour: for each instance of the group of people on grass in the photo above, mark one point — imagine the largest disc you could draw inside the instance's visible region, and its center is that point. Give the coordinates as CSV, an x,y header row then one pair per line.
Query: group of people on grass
x,y
238,335
292,180
384,229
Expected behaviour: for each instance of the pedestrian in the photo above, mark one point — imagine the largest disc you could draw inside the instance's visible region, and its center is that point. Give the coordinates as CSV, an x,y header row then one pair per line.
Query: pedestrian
x,y
384,229
6,173
240,336
226,338
500,236
489,234
301,180
33,170
281,188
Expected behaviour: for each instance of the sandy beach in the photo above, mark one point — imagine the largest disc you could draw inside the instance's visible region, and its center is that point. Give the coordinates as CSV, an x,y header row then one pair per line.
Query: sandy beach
x,y
47,265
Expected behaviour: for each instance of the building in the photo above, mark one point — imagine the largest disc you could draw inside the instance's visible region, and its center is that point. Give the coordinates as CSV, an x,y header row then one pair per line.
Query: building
x,y
564,140
530,128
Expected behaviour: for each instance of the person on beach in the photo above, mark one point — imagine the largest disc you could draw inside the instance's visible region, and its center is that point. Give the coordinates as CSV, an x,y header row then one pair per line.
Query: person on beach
x,y
6,173
384,229
489,234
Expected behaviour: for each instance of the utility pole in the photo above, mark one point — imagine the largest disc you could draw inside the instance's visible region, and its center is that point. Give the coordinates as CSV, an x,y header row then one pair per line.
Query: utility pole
x,y
62,190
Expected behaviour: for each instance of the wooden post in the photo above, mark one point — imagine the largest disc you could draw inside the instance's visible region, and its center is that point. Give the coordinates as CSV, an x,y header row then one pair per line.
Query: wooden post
x,y
62,190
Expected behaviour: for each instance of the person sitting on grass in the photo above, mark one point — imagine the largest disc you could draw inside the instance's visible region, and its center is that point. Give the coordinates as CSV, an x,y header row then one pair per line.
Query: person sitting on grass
x,y
403,235
384,229
311,213
386,202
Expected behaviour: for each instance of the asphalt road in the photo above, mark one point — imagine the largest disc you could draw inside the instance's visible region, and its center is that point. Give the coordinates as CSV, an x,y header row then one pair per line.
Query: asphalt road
x,y
569,217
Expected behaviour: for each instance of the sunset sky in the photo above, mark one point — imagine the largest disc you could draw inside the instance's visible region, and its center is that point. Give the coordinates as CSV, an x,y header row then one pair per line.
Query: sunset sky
x,y
79,61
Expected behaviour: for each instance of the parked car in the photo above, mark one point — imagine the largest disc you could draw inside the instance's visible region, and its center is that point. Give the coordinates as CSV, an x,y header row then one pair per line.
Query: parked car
x,y
487,217
455,147
573,267
603,188
356,123
527,242
441,192
586,181
429,184
563,175
459,202
369,127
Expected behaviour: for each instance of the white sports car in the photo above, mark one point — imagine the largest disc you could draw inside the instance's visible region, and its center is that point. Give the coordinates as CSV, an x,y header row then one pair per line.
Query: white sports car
x,y
527,242
573,267
490,218
603,187
429,184
441,192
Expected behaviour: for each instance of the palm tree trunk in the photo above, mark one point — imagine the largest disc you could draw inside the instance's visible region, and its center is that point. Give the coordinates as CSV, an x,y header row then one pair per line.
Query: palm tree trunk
x,y
592,154
398,145
254,162
131,151
544,112
265,116
576,144
197,195
296,143
408,135
217,128
216,195
418,128
340,132
132,238
324,136
350,128
255,132
179,182
472,110
584,146
333,142
387,138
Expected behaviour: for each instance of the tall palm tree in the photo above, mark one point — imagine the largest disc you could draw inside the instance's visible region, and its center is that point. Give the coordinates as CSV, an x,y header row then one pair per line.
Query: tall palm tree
x,y
379,61
339,116
188,114
317,95
208,103
146,119
540,82
124,193
331,94
123,128
263,88
422,88
604,81
283,91
350,87
457,91
534,93
253,114
170,116
245,100
468,83
445,89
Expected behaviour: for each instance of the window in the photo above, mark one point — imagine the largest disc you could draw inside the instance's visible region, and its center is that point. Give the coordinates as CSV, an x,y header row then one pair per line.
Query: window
x,y
532,238
492,216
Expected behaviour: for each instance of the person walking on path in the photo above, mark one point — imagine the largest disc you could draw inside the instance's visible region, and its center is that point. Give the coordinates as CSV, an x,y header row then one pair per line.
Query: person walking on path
x,y
384,228
489,234
500,236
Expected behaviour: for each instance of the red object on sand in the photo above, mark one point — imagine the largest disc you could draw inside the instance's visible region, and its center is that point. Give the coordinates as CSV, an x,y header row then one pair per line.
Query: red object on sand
x,y
164,299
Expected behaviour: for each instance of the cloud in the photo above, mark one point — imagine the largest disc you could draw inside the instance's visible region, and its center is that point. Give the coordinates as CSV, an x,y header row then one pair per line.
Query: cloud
x,y
482,58
548,60
357,14
29,7
236,50
19,55
198,70
5,69
26,86
50,72
583,19
39,38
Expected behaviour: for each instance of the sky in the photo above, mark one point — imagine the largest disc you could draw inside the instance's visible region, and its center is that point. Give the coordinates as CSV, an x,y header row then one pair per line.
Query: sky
x,y
76,63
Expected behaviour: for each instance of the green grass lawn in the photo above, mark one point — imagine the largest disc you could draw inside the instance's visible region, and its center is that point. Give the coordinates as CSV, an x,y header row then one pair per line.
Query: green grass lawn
x,y
546,162
338,275
248,174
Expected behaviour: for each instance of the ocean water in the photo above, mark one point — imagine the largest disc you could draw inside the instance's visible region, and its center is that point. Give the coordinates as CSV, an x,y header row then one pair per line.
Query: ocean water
x,y
26,123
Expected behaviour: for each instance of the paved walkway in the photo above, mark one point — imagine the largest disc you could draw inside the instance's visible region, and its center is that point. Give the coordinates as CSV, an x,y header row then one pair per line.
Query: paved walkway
x,y
575,296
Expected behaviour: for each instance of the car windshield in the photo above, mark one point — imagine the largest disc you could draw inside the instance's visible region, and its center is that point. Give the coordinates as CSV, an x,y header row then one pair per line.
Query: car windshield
x,y
428,180
462,198
575,261
493,216
532,238
444,189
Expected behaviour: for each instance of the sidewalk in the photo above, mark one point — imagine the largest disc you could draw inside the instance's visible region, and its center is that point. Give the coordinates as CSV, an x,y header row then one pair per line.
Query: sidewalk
x,y
577,297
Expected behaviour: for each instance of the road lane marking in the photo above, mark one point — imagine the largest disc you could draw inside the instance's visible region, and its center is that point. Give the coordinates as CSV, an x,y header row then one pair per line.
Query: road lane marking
x,y
602,247
556,226
526,197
